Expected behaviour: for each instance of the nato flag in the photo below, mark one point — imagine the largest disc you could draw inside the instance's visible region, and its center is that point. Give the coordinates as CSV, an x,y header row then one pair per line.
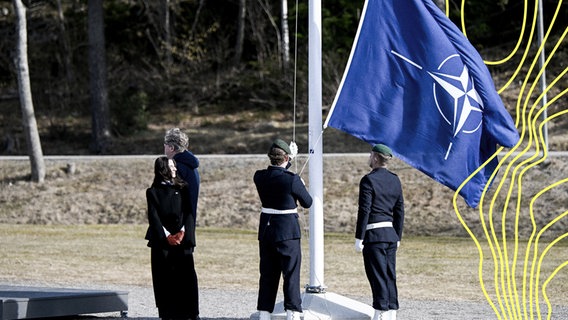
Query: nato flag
x,y
416,84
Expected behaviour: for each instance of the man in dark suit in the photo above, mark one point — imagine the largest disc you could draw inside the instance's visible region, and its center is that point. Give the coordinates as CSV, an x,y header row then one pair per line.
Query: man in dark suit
x,y
378,233
279,232
176,144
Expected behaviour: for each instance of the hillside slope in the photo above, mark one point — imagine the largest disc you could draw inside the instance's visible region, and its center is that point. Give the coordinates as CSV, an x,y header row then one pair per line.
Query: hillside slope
x,y
110,190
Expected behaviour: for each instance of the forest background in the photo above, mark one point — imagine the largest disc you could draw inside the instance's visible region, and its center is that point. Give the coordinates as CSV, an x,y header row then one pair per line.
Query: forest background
x,y
232,73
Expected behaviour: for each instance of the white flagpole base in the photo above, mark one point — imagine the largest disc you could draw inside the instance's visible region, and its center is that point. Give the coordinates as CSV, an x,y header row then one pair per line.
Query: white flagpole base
x,y
327,306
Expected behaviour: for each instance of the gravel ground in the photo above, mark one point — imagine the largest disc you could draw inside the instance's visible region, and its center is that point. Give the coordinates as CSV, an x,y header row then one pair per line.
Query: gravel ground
x,y
222,304
240,304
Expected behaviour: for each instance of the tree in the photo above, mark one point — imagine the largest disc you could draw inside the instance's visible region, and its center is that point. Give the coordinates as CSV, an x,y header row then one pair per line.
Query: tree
x,y
441,4
67,54
167,37
266,8
285,34
239,43
28,116
100,139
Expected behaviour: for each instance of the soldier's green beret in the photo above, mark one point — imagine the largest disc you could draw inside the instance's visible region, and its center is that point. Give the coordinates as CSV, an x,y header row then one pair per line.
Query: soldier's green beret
x,y
279,143
382,149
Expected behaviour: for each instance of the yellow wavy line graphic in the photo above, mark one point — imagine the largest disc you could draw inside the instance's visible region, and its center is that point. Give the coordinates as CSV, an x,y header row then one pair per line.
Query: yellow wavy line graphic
x,y
507,300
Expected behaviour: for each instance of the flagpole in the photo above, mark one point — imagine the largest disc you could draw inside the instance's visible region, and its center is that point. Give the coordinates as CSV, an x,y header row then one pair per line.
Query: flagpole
x,y
543,74
317,303
316,283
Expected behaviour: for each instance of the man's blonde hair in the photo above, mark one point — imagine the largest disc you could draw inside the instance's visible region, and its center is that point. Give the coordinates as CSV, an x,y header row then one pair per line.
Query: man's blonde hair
x,y
177,139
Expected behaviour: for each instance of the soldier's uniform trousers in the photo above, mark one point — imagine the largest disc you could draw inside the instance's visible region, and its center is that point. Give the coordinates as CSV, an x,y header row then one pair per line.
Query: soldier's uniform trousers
x,y
380,266
283,257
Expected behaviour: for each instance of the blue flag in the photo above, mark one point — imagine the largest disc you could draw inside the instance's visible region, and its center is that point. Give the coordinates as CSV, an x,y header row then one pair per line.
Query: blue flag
x,y
416,84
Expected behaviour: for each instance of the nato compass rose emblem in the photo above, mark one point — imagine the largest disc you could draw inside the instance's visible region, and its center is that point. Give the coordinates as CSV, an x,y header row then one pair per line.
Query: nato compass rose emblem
x,y
452,82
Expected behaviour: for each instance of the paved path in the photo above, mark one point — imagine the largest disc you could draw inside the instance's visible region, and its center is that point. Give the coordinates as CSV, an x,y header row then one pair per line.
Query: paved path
x,y
241,304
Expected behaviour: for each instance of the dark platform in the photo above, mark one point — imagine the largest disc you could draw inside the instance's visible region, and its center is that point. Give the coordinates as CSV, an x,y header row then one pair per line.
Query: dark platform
x,y
34,302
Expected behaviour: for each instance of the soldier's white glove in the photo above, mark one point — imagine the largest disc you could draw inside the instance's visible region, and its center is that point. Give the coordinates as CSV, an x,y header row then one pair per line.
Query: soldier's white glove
x,y
293,150
358,245
398,244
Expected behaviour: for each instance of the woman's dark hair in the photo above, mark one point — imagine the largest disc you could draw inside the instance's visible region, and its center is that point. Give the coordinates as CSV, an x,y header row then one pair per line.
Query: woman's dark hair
x,y
163,173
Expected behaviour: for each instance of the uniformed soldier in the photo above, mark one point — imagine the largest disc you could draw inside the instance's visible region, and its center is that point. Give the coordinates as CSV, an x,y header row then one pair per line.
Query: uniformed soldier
x,y
379,230
279,232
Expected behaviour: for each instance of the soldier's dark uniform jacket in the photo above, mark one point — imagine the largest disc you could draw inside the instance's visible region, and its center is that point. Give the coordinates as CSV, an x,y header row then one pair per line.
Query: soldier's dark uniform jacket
x,y
380,200
279,189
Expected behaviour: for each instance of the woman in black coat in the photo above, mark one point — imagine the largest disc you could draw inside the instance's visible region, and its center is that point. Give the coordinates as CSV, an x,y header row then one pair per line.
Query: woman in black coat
x,y
171,237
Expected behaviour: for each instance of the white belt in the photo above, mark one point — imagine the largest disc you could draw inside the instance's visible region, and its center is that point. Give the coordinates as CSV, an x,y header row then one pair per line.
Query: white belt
x,y
276,211
384,224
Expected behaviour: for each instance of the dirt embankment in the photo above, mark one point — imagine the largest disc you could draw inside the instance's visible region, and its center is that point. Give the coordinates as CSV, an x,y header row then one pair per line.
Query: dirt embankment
x,y
111,191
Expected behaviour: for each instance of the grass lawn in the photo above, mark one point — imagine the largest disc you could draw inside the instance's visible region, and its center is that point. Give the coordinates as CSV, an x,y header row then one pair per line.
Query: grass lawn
x,y
430,268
